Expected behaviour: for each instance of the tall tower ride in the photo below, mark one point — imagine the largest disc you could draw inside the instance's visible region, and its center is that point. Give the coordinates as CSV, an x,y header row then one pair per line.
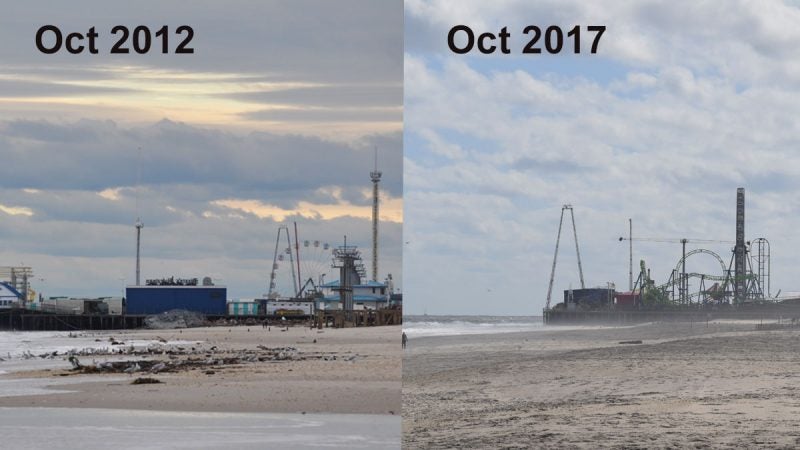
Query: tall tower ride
x,y
375,176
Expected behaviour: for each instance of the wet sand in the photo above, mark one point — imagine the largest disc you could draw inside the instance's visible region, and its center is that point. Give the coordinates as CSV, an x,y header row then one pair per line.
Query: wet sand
x,y
685,386
88,429
364,378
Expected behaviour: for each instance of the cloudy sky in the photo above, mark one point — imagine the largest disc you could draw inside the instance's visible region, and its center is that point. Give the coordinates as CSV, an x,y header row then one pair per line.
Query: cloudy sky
x,y
684,102
273,119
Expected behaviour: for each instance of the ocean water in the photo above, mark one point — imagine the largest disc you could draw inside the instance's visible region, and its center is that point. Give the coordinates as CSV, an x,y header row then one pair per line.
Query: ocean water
x,y
14,344
126,429
421,326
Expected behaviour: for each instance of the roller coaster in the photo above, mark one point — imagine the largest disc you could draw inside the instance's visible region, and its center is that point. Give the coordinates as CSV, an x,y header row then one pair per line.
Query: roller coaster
x,y
676,290
744,280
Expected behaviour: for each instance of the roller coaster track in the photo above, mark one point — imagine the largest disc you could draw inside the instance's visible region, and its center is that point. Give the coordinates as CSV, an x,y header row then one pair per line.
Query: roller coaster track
x,y
723,277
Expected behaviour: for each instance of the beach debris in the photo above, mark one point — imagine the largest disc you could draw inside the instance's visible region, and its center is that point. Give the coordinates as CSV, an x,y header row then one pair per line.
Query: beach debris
x,y
630,342
288,353
131,369
76,365
186,360
146,380
176,318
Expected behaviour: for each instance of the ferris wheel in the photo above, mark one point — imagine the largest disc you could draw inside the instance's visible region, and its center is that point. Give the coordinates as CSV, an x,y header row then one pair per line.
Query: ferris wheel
x,y
315,260
295,263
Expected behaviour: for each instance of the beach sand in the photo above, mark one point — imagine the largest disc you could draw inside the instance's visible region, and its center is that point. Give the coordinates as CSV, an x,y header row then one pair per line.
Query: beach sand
x,y
721,385
365,377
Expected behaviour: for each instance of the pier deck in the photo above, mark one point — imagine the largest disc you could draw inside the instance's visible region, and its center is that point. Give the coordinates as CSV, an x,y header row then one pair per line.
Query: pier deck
x,y
26,320
634,316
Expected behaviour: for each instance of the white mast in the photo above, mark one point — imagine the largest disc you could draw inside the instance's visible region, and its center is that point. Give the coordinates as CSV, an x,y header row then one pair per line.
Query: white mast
x,y
139,226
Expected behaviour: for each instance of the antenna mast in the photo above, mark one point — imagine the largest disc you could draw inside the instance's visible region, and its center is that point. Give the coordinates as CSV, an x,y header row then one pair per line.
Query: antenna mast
x,y
139,225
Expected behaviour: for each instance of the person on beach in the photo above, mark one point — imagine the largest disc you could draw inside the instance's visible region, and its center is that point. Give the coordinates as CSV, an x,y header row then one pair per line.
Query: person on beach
x,y
405,339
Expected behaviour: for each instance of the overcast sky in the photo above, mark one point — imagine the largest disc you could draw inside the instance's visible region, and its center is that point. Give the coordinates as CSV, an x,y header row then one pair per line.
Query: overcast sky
x,y
684,102
273,119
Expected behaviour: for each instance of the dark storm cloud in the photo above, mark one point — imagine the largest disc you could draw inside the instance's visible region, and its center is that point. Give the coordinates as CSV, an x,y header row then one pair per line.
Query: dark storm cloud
x,y
96,155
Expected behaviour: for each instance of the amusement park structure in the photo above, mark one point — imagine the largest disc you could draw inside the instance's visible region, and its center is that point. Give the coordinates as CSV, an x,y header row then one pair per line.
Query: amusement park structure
x,y
307,273
279,257
555,256
375,177
744,279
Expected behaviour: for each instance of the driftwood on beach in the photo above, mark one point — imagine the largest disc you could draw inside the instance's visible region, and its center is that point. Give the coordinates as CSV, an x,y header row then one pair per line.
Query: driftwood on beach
x,y
193,360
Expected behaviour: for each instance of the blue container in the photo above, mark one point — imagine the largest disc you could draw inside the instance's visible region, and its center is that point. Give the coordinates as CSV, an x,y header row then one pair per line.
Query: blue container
x,y
209,300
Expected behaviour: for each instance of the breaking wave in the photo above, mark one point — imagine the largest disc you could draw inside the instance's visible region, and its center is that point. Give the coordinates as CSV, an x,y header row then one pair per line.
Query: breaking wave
x,y
420,326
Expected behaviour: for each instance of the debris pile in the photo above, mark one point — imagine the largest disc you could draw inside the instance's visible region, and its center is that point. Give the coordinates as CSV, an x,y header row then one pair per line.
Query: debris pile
x,y
146,380
195,360
176,318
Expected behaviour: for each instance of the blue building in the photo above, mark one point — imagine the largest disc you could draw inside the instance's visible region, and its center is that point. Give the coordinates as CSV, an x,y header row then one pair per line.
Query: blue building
x,y
369,295
9,296
209,300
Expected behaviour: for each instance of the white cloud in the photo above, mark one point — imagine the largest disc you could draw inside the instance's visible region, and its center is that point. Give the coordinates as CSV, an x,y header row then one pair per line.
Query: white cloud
x,y
16,210
682,105
110,194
